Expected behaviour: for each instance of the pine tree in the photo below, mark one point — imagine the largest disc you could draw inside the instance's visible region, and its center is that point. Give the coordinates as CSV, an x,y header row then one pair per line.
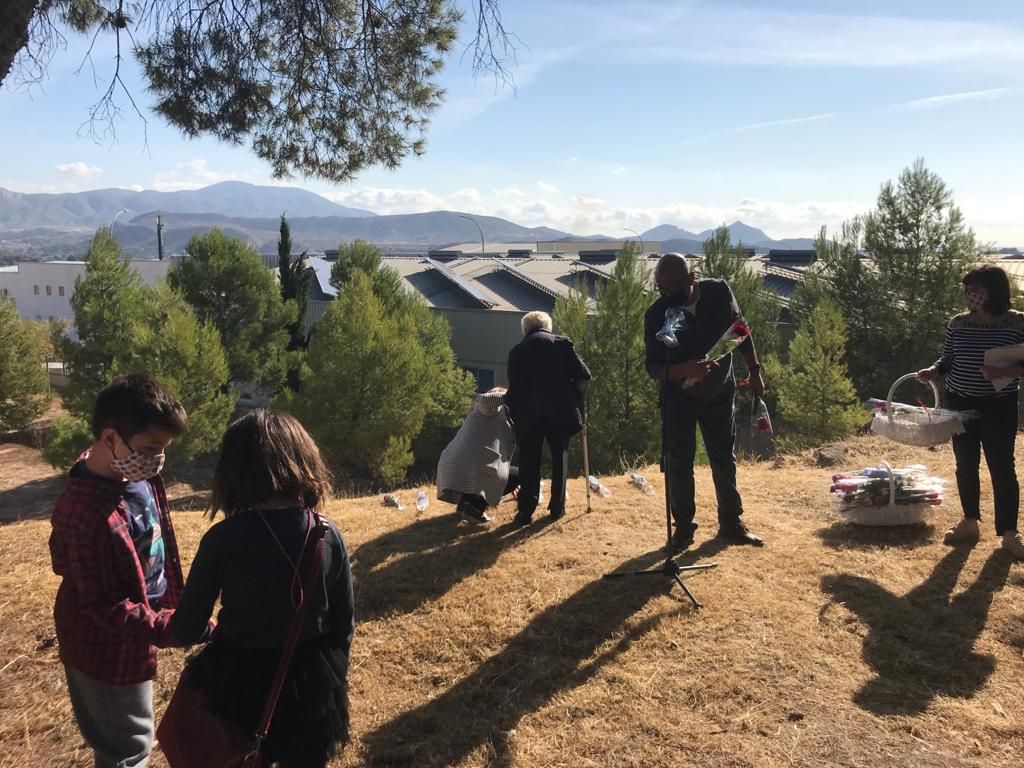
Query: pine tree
x,y
187,357
365,391
109,307
225,282
361,256
621,399
897,301
815,394
24,390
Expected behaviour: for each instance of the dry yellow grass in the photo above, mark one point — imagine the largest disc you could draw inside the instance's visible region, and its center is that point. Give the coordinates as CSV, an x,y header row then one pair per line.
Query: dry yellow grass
x,y
833,646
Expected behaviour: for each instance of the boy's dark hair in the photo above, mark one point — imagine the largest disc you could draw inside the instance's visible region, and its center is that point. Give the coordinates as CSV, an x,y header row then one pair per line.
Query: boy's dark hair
x,y
996,283
134,403
266,454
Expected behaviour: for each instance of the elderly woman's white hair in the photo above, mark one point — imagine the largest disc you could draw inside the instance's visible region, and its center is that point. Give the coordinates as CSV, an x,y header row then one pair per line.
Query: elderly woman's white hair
x,y
533,321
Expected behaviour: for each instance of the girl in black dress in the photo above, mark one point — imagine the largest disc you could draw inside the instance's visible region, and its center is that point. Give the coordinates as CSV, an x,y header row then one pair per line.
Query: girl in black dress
x,y
270,479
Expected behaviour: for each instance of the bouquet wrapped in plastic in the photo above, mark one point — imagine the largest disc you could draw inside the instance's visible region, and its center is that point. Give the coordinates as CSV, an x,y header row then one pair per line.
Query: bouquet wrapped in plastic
x,y
760,421
675,321
736,334
885,496
915,424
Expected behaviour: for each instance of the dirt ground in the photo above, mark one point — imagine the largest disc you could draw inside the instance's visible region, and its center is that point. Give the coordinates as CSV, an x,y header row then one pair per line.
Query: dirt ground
x,y
832,646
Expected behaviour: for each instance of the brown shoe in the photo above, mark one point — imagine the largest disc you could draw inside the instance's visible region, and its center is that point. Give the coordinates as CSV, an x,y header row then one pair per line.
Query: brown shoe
x,y
966,531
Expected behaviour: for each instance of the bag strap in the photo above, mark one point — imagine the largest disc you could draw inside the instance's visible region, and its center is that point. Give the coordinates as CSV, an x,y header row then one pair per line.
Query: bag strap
x,y
312,574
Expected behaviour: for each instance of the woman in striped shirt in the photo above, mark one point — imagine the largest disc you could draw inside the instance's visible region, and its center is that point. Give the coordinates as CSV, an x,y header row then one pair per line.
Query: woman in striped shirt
x,y
988,323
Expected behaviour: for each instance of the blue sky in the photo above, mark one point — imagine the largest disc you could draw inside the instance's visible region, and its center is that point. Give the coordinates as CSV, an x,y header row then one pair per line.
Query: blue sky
x,y
787,114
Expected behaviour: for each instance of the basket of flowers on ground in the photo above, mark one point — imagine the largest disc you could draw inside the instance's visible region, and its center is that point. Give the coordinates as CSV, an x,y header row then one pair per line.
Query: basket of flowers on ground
x,y
885,496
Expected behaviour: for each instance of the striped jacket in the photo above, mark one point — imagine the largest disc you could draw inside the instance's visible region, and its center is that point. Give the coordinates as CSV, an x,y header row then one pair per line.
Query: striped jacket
x,y
477,459
963,353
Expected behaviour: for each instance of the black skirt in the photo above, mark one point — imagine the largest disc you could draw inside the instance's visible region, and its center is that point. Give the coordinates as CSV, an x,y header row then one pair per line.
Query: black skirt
x,y
310,723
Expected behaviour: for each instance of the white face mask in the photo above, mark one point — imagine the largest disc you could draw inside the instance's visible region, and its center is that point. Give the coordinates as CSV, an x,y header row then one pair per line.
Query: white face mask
x,y
136,465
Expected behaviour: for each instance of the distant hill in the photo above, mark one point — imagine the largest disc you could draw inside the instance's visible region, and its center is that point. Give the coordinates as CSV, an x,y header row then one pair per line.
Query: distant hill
x,y
54,226
739,233
664,232
403,233
95,208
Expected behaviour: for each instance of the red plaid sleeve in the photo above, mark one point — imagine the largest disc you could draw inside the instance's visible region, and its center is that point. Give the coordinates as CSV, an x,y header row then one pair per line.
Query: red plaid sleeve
x,y
105,626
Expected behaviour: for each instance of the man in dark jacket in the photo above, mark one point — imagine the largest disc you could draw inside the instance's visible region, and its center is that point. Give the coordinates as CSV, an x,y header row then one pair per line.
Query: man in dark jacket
x,y
696,390
546,379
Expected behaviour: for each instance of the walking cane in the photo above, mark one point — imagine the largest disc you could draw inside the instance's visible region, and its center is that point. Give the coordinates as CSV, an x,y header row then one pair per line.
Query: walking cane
x,y
586,458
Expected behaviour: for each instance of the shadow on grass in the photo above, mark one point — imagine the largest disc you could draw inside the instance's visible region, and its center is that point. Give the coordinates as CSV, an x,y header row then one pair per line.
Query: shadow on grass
x,y
403,569
33,500
849,536
555,652
921,644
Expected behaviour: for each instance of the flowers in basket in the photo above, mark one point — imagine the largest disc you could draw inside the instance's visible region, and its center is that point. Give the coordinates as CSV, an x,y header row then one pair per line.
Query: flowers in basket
x,y
885,496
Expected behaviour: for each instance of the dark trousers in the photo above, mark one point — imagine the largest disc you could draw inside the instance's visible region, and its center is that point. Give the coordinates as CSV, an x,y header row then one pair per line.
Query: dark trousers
x,y
994,431
531,443
477,500
717,421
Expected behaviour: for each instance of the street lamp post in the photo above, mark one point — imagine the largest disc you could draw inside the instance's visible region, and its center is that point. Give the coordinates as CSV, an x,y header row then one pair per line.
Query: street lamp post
x,y
470,218
113,220
638,237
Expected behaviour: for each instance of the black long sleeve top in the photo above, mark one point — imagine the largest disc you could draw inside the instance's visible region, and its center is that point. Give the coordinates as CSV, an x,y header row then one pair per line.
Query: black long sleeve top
x,y
240,562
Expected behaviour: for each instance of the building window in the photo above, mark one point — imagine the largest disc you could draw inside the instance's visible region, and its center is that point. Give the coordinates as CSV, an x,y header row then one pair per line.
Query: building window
x,y
484,378
60,290
49,290
35,289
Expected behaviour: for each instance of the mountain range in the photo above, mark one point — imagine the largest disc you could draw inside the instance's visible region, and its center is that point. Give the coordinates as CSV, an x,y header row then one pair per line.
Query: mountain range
x,y
48,226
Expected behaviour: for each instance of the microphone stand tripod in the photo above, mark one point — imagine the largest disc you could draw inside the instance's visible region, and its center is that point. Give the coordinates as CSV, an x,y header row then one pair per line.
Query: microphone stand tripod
x,y
670,567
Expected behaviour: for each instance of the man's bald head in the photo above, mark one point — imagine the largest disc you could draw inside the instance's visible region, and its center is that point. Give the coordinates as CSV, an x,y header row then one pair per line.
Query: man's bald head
x,y
672,265
672,274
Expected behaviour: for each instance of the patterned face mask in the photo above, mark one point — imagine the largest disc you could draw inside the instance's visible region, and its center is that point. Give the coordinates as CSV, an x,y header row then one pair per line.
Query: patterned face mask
x,y
976,298
136,465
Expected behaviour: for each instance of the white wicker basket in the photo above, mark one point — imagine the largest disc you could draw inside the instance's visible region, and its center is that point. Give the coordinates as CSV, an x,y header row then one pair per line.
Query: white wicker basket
x,y
892,513
921,426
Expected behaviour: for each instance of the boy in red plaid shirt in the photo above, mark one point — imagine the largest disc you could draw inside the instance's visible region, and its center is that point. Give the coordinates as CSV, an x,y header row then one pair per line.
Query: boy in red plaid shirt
x,y
113,544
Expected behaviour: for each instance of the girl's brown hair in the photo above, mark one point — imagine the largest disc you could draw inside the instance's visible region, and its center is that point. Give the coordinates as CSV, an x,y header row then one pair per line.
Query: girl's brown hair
x,y
266,454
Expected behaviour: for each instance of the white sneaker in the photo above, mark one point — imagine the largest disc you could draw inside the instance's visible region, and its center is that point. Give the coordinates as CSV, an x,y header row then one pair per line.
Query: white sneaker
x,y
965,531
1014,544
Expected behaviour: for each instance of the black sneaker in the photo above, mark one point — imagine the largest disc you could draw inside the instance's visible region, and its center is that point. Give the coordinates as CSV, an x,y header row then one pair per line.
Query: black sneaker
x,y
681,540
738,533
555,514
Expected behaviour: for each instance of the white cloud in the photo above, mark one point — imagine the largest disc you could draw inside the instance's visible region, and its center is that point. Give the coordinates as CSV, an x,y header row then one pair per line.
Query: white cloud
x,y
753,36
79,170
586,213
547,189
386,200
196,173
933,102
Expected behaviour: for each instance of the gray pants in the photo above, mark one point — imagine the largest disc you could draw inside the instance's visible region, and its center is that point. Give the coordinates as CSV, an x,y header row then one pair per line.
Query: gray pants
x,y
116,720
